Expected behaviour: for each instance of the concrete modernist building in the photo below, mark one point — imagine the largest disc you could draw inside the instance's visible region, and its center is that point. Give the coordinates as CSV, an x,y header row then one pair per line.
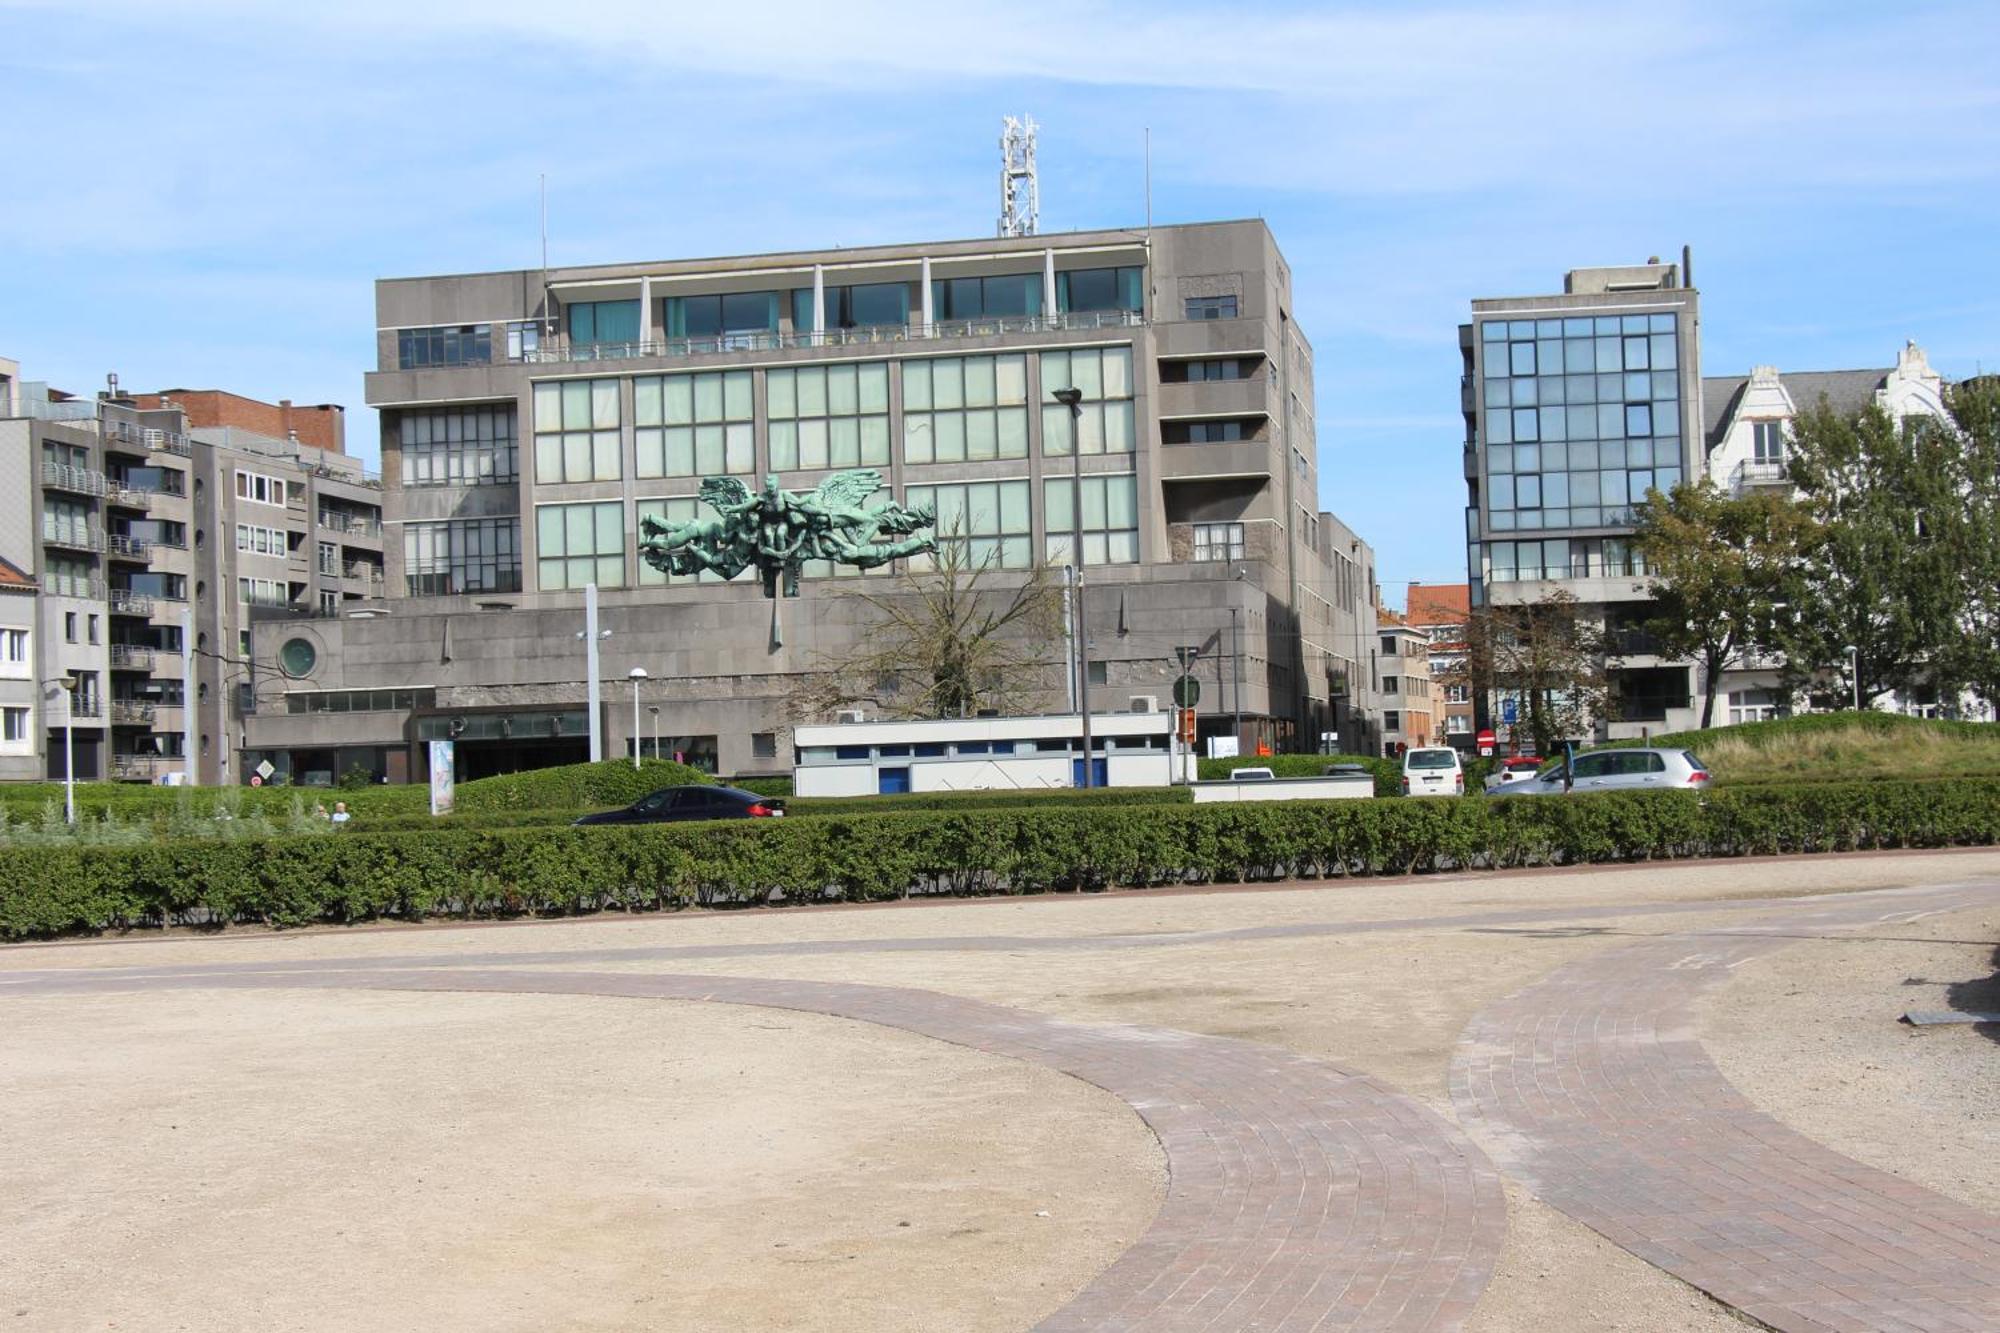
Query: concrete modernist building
x,y
530,420
1408,707
151,547
1575,405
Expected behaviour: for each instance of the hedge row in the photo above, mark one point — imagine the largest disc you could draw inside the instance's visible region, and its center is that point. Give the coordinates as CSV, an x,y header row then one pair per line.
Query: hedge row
x,y
453,871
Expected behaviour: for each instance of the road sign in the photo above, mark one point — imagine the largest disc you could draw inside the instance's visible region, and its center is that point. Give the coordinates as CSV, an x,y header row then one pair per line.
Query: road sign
x,y
1187,726
1510,711
1485,741
265,770
256,779
1187,691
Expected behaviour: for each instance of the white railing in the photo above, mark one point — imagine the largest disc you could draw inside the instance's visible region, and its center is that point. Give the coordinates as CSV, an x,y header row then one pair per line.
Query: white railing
x,y
128,603
81,480
869,335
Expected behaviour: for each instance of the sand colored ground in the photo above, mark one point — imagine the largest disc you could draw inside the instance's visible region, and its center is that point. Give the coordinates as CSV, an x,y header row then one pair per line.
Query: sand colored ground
x,y
1811,1036
279,1161
1391,1003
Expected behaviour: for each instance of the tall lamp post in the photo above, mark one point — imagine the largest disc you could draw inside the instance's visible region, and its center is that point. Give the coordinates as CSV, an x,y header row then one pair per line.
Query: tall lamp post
x,y
68,684
1854,672
636,675
1072,398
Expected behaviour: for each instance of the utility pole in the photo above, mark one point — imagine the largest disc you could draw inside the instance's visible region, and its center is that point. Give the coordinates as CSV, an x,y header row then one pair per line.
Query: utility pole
x,y
1072,398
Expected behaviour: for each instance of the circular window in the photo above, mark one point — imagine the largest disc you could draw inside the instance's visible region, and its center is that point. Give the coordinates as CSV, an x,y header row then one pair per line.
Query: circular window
x,y
298,657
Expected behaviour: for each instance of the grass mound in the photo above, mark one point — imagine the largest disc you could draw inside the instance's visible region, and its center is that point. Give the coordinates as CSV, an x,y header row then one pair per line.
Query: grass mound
x,y
1843,747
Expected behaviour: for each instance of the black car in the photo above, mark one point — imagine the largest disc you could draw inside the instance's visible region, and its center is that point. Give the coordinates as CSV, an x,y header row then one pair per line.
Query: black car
x,y
670,804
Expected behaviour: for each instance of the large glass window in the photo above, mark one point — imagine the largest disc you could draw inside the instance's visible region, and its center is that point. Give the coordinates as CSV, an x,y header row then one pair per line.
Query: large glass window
x,y
828,416
576,431
1563,558
1110,519
462,555
731,315
1211,307
597,322
1768,441
965,408
694,425
63,576
66,522
1105,376
579,544
1207,432
865,305
458,446
253,539
452,345
1582,416
977,298
992,520
1101,289
1218,541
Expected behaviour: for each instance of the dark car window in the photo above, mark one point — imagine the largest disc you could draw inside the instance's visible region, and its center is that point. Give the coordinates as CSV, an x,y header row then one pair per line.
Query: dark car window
x,y
1698,765
1590,766
650,805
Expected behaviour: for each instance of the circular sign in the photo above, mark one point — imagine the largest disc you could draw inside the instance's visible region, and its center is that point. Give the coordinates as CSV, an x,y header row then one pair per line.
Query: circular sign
x,y
298,657
256,780
1187,691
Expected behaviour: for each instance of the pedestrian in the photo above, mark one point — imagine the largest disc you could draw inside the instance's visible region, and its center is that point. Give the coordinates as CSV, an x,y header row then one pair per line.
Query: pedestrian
x,y
340,815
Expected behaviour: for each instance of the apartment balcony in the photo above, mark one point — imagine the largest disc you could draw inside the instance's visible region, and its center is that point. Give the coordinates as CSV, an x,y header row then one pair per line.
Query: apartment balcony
x,y
146,439
334,520
131,657
1198,462
144,767
1761,474
124,547
560,351
75,480
125,602
72,537
85,709
132,713
1216,398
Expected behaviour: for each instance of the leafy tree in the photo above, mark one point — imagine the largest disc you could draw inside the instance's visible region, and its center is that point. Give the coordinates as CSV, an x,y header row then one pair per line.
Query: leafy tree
x,y
1972,654
1883,567
1721,566
1549,657
948,641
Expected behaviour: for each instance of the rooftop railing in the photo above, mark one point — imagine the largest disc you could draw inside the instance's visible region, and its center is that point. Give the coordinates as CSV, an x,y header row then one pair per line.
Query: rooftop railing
x,y
150,438
760,340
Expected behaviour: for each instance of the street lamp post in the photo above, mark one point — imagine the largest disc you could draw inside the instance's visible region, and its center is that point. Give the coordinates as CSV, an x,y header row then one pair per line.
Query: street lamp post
x,y
68,684
1854,673
1072,398
636,675
654,709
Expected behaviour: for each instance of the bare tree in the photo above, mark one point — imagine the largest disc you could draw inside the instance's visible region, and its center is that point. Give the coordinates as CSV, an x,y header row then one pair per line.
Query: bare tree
x,y
1546,655
947,641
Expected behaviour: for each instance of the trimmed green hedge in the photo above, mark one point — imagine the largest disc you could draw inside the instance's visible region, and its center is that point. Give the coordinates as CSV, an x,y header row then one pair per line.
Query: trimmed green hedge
x,y
448,870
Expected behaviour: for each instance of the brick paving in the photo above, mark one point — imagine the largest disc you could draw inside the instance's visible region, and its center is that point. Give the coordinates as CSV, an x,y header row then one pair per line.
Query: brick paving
x,y
1591,1088
1299,1196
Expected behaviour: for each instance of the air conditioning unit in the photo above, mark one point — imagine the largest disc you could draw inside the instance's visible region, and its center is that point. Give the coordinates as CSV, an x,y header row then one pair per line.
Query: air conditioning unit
x,y
1143,703
847,715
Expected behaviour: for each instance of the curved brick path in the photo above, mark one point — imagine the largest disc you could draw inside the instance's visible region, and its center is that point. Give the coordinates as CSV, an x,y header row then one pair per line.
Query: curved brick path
x,y
1591,1088
1300,1196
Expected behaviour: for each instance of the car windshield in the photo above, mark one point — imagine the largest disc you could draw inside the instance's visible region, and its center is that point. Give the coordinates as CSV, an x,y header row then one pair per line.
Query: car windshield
x,y
1431,759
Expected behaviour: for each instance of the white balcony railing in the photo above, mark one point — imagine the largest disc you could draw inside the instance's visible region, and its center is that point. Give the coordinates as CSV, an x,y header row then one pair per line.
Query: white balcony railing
x,y
773,341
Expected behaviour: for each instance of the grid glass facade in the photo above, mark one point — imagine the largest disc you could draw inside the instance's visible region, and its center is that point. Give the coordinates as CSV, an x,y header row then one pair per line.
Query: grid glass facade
x,y
463,556
1582,417
960,408
1110,519
828,416
1105,421
579,544
694,425
576,431
458,446
991,519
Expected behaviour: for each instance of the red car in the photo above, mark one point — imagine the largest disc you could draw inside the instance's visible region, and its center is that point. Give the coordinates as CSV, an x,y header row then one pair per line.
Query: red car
x,y
1515,768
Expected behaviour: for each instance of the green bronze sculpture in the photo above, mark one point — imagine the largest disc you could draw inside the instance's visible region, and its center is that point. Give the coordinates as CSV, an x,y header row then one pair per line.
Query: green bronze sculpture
x,y
779,530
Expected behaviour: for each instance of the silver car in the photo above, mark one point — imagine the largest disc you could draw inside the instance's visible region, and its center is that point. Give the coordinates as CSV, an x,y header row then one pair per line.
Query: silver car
x,y
1618,769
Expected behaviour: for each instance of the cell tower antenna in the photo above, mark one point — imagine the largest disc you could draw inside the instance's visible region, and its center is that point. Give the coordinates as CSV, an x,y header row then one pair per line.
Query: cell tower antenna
x,y
1020,190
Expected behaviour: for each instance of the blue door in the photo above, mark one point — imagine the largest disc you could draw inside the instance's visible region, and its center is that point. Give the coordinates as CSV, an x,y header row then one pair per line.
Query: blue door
x,y
889,781
1100,772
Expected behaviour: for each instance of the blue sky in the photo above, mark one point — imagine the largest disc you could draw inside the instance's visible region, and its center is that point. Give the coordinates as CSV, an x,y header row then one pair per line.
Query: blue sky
x,y
201,193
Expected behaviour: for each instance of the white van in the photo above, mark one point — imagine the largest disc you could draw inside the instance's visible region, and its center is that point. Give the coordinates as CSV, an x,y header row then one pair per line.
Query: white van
x,y
1433,771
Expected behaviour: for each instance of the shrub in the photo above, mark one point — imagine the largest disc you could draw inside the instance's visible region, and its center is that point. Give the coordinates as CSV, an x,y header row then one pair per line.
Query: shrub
x,y
451,869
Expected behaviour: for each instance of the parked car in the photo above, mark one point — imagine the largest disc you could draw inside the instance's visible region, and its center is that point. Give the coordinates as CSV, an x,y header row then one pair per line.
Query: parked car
x,y
672,804
1617,769
1518,768
1252,775
1433,771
